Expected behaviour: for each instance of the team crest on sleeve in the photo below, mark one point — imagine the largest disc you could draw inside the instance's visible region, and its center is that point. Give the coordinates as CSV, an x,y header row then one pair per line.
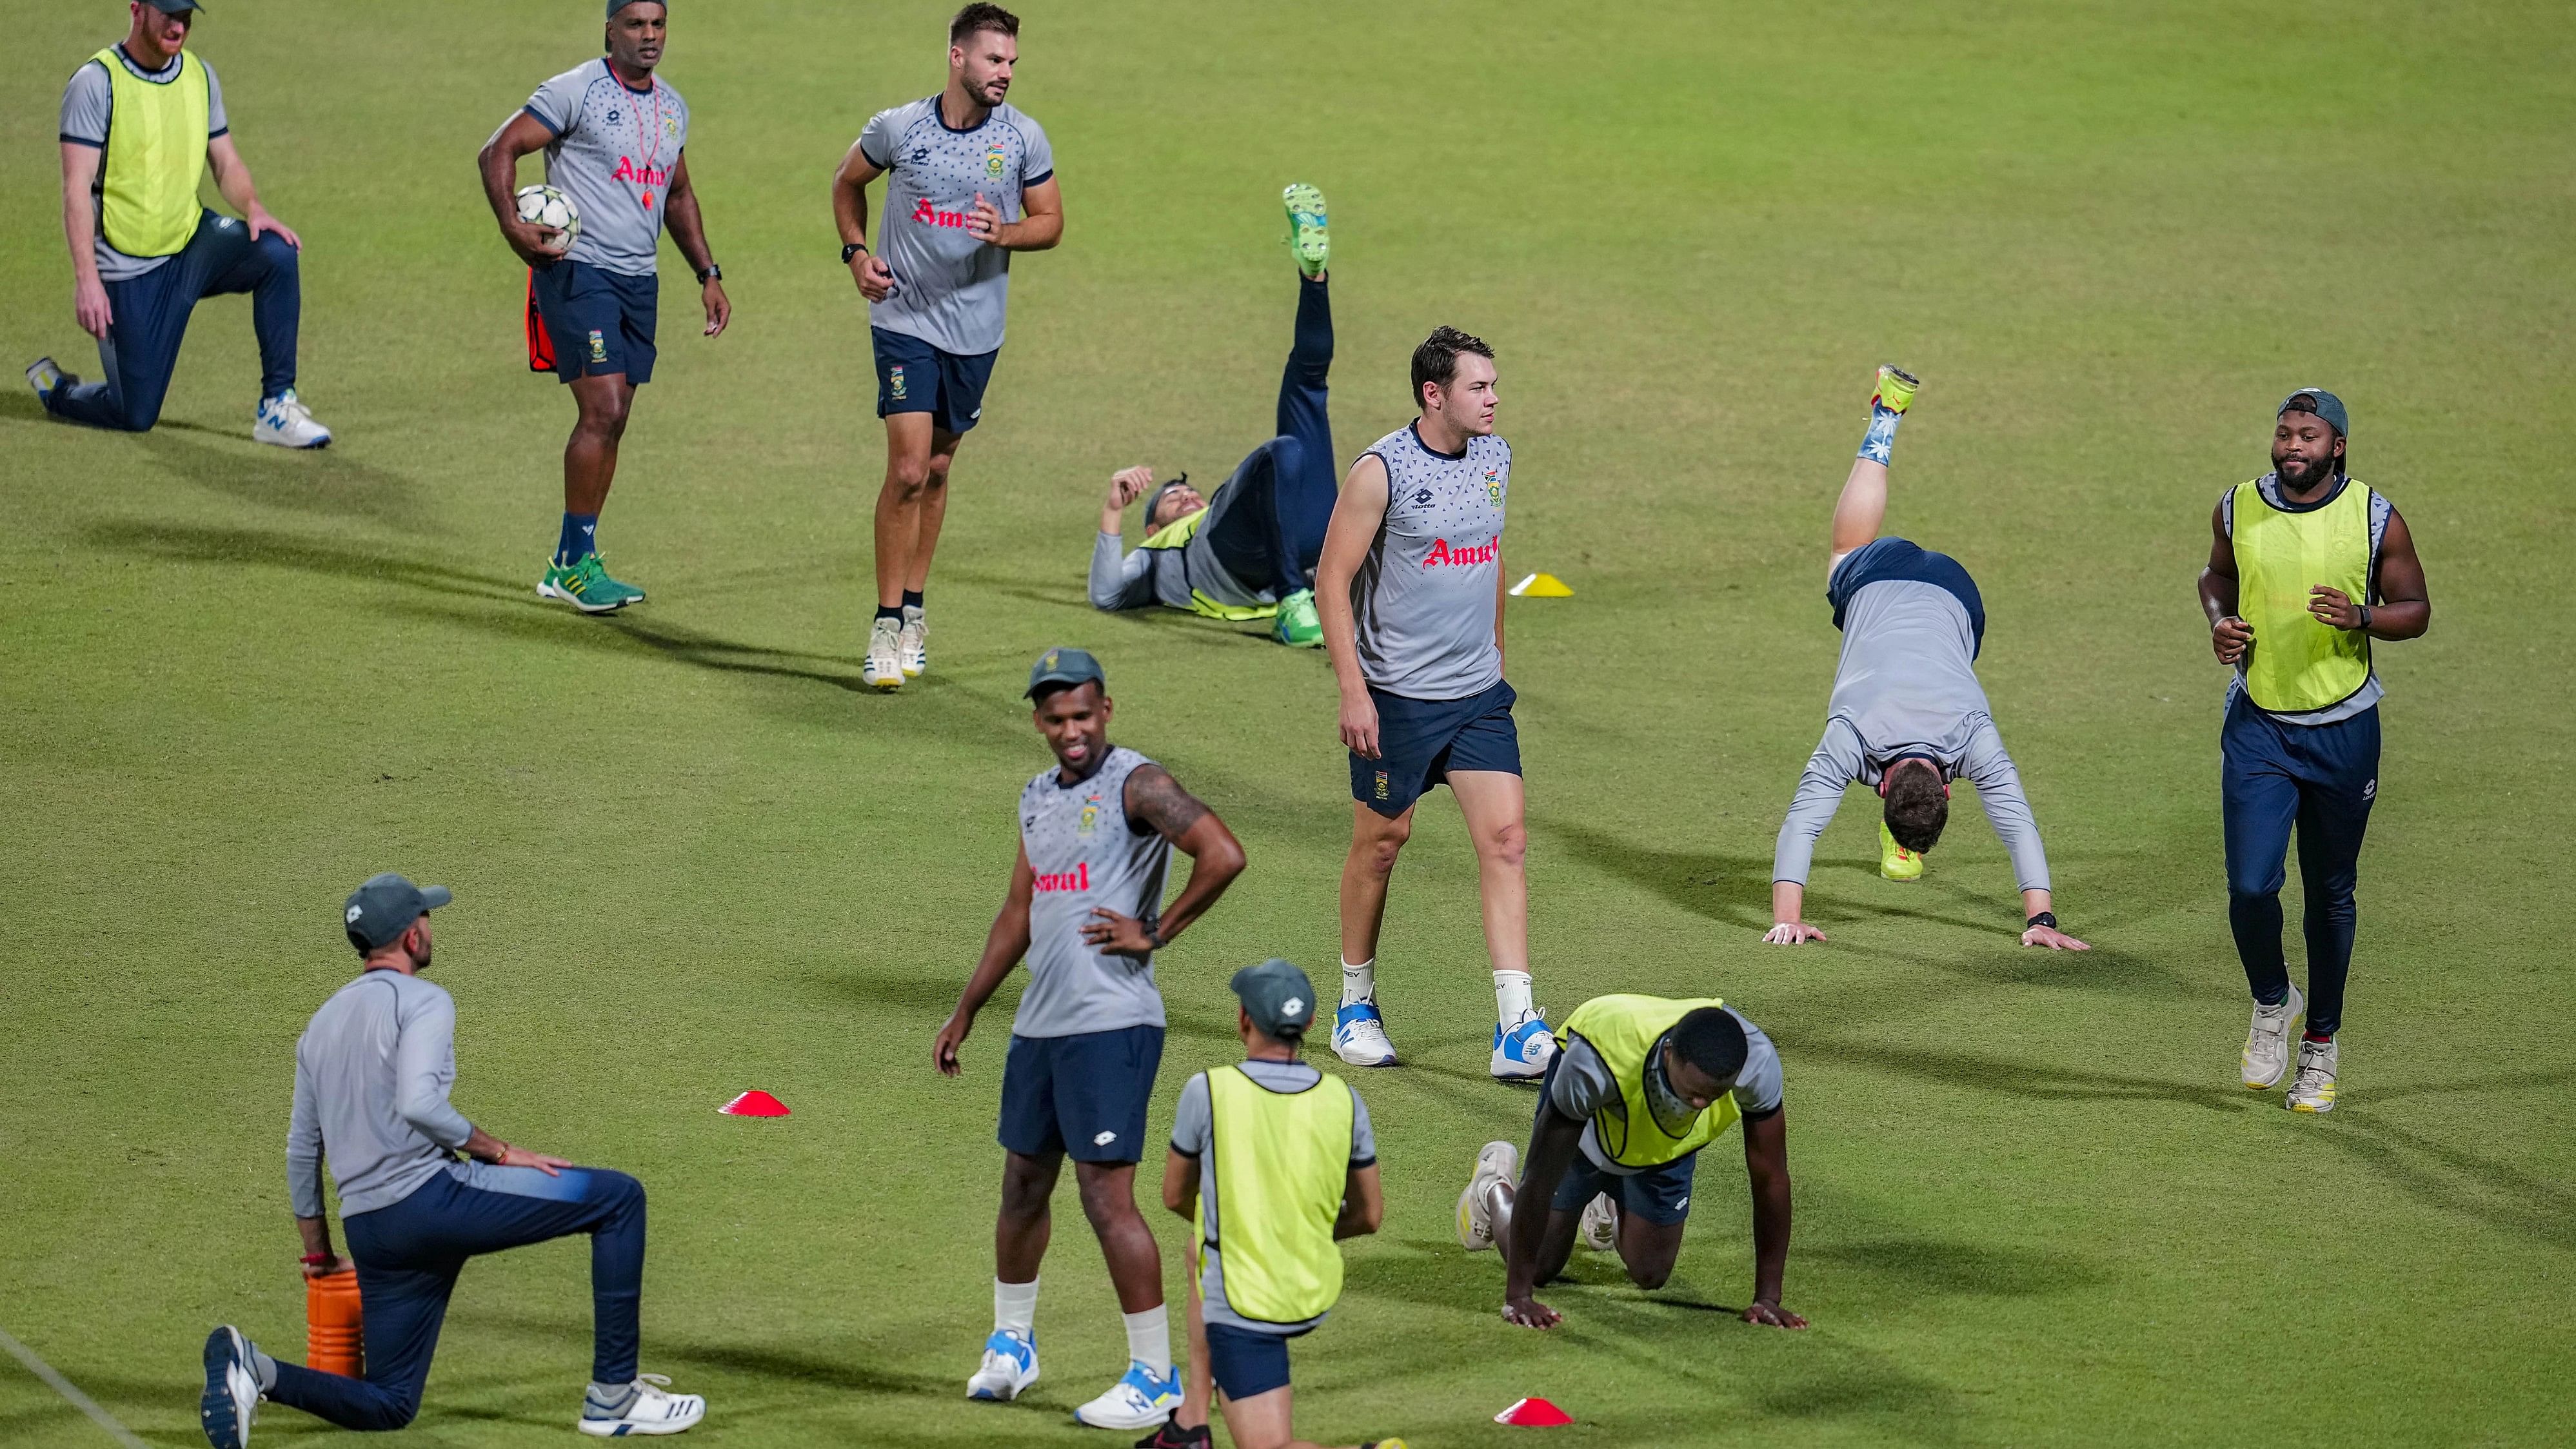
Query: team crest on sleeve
x,y
1090,815
1494,486
993,160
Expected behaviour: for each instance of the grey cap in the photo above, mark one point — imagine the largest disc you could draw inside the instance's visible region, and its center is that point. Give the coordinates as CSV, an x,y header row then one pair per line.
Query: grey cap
x,y
2321,402
1066,667
1277,996
382,909
1155,503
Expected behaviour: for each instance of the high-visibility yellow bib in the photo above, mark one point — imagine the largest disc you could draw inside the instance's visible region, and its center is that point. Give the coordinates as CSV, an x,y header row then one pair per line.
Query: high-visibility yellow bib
x,y
1280,1161
2298,664
1177,534
156,150
1624,1030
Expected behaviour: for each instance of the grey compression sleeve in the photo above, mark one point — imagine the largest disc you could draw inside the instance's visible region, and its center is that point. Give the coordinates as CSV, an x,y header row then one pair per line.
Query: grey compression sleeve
x,y
1836,763
1999,790
1119,582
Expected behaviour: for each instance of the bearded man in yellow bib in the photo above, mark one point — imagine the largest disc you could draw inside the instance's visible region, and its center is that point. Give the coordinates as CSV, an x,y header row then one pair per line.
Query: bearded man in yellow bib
x,y
1640,1085
2306,568
141,122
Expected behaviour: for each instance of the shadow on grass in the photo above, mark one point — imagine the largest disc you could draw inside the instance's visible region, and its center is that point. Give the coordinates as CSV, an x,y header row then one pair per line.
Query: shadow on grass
x,y
186,543
1933,1265
2024,1079
2456,1181
326,482
1733,890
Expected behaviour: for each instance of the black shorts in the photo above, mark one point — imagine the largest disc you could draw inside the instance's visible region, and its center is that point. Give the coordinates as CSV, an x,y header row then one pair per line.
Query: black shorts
x,y
1246,1364
1083,1095
1420,741
915,377
601,322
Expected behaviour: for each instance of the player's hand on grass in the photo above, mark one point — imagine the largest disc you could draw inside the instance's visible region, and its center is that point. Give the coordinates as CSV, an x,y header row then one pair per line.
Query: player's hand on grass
x,y
1116,934
259,222
1790,933
719,306
2333,607
1359,725
522,1157
943,1048
2053,938
876,279
2229,636
536,245
90,307
1129,484
1528,1312
984,223
1772,1315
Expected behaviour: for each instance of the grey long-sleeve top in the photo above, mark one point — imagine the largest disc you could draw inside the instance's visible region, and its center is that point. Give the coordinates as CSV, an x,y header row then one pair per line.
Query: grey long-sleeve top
x,y
372,1073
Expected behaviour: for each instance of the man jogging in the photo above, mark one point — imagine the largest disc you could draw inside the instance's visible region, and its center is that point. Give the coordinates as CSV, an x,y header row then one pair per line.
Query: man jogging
x,y
2306,568
1249,550
972,180
1642,1085
615,137
372,1073
1410,588
141,122
1085,910
1291,1153
1907,715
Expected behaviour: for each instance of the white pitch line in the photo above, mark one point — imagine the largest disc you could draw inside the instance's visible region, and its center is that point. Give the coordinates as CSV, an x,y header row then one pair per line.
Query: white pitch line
x,y
71,1391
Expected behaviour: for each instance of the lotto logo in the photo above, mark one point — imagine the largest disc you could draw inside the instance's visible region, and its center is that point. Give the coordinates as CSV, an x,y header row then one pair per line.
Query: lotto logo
x,y
1442,553
1076,879
1104,1139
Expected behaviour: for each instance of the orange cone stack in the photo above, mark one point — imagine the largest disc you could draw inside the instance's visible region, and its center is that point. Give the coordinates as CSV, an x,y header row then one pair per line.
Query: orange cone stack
x,y
334,1325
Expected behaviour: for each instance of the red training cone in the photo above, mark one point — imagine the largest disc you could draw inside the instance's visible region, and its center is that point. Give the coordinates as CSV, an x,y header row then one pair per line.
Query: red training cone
x,y
1534,1414
754,1103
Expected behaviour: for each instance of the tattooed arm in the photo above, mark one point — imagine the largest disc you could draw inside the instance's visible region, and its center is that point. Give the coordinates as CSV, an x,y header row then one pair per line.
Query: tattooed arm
x,y
1156,802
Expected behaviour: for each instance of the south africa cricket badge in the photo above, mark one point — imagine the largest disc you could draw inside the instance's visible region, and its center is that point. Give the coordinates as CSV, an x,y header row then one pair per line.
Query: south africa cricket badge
x,y
894,383
598,346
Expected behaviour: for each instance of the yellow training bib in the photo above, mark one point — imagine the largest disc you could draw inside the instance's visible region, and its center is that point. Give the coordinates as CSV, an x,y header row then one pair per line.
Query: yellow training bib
x,y
156,150
1624,1029
2297,664
1280,1160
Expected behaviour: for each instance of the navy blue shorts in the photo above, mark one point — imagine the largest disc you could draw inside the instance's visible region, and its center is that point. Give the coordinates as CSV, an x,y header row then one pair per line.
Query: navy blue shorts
x,y
601,322
1419,741
1246,1364
1658,1195
915,377
1083,1095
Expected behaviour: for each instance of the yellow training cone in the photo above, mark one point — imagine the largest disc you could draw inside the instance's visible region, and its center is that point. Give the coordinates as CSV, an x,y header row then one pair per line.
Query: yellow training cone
x,y
1542,586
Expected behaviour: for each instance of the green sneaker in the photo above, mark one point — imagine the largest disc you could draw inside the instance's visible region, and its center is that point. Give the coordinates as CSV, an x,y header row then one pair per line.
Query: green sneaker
x,y
1296,625
1310,237
1895,389
1895,862
586,586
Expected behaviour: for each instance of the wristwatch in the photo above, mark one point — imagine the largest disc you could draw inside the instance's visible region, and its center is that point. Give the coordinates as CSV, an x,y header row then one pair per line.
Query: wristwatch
x,y
851,250
2044,918
710,273
1154,933
2365,617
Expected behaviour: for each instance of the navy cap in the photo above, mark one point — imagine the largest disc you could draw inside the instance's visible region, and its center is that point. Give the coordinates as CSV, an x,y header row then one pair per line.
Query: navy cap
x,y
382,909
1277,996
2321,402
174,7
1067,667
613,5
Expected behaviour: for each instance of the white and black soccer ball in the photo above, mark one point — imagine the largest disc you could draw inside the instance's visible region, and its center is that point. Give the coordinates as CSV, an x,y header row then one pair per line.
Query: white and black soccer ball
x,y
545,206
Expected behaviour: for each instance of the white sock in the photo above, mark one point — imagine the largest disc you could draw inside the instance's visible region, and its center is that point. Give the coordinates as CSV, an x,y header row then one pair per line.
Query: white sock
x,y
1511,996
1359,983
1149,1340
1015,1306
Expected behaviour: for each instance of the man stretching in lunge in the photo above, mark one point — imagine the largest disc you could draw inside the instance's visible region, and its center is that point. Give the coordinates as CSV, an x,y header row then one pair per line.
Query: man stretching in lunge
x,y
970,181
1642,1085
1085,910
1249,551
614,135
1908,715
1410,588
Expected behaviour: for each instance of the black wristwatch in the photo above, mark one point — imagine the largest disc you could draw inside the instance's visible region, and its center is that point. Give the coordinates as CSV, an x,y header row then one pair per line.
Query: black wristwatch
x,y
2365,617
1154,933
710,273
850,250
2044,918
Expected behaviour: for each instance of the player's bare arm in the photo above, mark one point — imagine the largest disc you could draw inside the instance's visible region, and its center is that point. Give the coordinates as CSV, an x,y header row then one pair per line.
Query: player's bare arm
x,y
1357,516
1788,904
1157,800
1766,1165
2228,634
2402,610
1181,1184
850,213
232,180
1125,487
1363,1204
1041,223
689,233
1004,945
521,135
1553,1143
90,306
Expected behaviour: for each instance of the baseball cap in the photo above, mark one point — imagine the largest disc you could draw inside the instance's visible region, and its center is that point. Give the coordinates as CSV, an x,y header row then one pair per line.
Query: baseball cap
x,y
613,5
382,909
1067,667
1154,504
2321,402
174,7
1277,996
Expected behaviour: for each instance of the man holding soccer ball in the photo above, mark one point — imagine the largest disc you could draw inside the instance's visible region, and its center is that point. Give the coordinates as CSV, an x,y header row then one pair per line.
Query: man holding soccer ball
x,y
614,135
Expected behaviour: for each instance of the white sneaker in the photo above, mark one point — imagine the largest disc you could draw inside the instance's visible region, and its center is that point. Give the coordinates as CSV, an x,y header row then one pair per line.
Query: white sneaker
x,y
1359,1036
1137,1401
1010,1366
2267,1042
2314,1089
231,1402
884,669
1600,1228
912,643
284,421
1498,1163
652,1412
1523,1049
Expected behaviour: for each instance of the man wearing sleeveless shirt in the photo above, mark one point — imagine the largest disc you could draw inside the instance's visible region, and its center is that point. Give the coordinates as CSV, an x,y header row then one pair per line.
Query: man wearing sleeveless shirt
x,y
2306,568
1410,589
1908,714
1085,911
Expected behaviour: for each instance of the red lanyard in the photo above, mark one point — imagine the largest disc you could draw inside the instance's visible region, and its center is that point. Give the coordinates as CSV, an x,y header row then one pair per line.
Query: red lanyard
x,y
655,154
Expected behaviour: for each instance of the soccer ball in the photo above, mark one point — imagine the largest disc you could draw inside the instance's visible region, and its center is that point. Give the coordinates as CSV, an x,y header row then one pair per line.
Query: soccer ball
x,y
545,206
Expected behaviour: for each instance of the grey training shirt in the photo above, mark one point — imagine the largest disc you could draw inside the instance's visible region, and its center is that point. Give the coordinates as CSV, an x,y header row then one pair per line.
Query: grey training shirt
x,y
89,104
1194,1129
1584,1086
372,1073
950,290
1424,598
1086,854
613,153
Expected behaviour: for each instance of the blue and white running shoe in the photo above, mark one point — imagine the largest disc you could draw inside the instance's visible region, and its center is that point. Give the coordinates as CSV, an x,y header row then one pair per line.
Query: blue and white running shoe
x,y
231,1403
1138,1400
1523,1049
1010,1366
1359,1036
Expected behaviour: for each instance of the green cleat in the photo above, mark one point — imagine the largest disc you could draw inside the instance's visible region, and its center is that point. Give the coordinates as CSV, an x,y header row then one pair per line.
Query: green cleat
x,y
1895,389
1310,237
1296,624
1895,862
586,586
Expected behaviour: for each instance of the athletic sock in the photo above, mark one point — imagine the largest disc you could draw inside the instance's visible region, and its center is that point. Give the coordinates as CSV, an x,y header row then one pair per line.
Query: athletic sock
x,y
2317,1037
884,613
580,536
1015,1307
1359,983
609,1401
266,1367
1511,996
1880,442
912,599
1149,1340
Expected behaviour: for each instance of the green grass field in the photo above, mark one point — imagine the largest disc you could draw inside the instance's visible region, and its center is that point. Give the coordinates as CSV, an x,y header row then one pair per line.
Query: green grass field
x,y
692,855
